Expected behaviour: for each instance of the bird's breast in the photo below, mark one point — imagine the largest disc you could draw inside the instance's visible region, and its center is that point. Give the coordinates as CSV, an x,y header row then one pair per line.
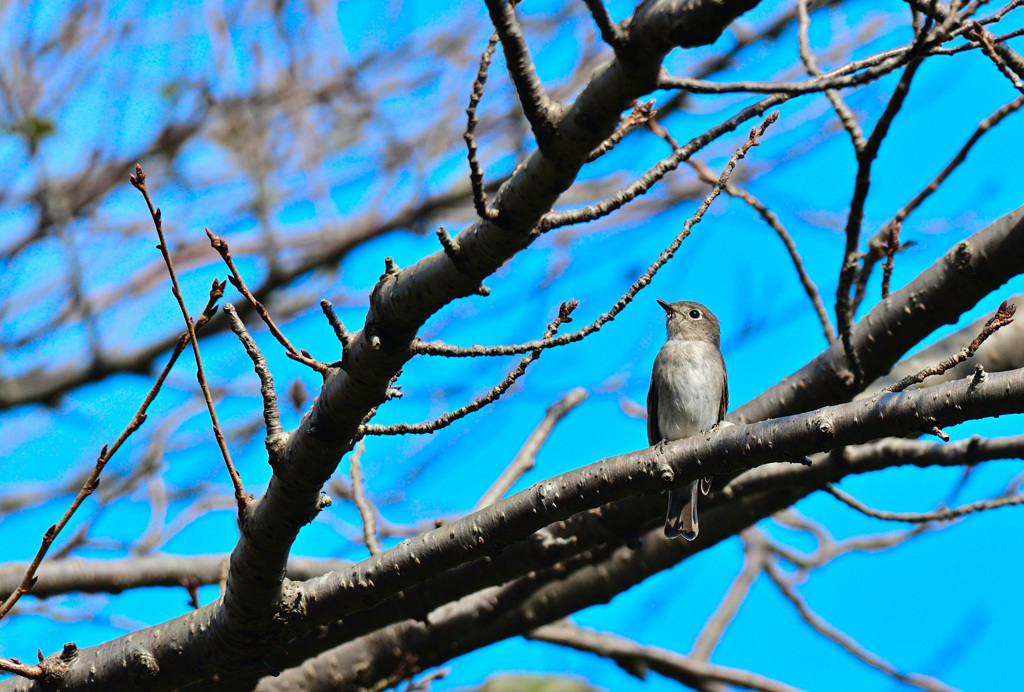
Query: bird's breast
x,y
690,383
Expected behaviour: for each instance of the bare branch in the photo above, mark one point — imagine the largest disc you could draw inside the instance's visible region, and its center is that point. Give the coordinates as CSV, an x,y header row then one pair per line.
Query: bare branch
x,y
977,33
641,113
447,419
221,246
542,113
476,173
56,577
640,186
366,509
923,517
714,628
93,479
525,459
849,644
271,416
892,246
241,498
1003,317
442,349
787,240
846,116
339,327
855,217
877,245
952,285
611,33
636,659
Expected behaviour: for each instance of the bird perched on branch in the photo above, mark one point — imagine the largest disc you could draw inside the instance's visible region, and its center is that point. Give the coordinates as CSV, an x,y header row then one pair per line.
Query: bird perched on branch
x,y
689,394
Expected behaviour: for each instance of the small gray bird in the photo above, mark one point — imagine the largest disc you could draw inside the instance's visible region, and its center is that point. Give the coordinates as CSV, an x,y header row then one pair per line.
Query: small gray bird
x,y
689,394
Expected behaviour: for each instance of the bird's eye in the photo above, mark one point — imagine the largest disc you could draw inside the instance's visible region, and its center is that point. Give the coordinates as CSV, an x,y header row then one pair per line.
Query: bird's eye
x,y
695,314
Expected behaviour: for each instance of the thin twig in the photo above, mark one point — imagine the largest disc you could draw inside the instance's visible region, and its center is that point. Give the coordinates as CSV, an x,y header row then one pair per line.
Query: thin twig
x,y
877,244
844,77
476,173
1003,317
339,330
221,246
93,480
437,348
16,667
845,641
241,499
996,16
367,512
892,246
848,269
527,456
924,517
644,183
641,113
977,33
443,421
271,416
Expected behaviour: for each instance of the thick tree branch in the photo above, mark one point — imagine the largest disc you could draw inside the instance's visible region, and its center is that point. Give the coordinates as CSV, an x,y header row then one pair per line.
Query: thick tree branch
x,y
939,295
649,471
56,577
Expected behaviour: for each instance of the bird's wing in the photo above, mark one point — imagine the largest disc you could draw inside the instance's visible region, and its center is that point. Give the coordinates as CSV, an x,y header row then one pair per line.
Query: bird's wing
x,y
723,405
653,434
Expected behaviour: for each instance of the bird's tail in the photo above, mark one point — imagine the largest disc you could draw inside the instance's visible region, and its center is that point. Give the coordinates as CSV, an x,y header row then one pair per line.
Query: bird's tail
x,y
681,519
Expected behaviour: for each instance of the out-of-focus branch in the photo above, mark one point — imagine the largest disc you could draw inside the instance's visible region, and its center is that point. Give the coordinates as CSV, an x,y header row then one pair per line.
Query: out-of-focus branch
x,y
636,659
714,628
526,457
924,517
92,481
823,628
998,57
367,512
611,33
846,115
56,577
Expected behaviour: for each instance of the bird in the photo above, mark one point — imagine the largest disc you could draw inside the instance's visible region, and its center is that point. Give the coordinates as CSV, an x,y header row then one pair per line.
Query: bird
x,y
689,394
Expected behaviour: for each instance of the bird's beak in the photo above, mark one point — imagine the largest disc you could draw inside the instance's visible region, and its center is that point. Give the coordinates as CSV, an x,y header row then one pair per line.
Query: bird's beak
x,y
667,307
